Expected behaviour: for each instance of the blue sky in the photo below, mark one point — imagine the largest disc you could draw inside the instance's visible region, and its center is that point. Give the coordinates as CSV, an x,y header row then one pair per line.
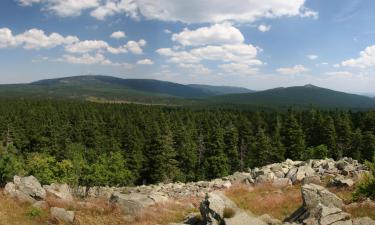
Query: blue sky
x,y
249,43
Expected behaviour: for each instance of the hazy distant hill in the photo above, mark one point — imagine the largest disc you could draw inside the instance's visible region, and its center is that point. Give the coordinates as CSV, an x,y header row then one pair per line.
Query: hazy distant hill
x,y
106,88
221,90
112,88
299,96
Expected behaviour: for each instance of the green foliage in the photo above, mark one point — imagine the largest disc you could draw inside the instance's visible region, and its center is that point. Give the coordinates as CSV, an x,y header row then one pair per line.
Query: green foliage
x,y
34,212
110,144
366,188
10,165
318,152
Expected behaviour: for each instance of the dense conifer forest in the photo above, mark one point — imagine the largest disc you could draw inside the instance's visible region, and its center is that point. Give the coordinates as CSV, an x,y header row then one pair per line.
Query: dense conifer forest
x,y
91,144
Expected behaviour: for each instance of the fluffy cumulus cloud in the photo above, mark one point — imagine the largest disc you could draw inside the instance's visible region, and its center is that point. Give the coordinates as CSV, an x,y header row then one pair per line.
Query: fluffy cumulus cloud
x,y
118,35
223,33
365,60
264,28
220,43
193,11
135,46
145,62
34,39
292,70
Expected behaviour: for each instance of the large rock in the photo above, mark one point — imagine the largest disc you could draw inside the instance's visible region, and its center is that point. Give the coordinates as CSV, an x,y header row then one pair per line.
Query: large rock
x,y
213,209
332,215
62,215
134,203
27,189
313,195
61,191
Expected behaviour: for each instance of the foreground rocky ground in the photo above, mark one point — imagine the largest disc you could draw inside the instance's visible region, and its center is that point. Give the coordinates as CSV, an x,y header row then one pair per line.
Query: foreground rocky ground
x,y
230,200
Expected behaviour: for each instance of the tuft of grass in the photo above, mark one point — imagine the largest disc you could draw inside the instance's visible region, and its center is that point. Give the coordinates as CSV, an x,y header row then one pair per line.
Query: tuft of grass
x,y
229,213
265,199
33,212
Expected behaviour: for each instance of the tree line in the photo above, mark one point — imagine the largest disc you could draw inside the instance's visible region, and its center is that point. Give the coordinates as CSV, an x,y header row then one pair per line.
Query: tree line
x,y
84,143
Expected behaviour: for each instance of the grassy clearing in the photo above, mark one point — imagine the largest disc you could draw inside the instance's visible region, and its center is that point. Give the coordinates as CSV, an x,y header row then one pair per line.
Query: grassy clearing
x,y
266,199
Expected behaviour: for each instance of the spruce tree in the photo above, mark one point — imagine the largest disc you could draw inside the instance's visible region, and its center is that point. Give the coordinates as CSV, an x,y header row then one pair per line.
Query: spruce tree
x,y
293,138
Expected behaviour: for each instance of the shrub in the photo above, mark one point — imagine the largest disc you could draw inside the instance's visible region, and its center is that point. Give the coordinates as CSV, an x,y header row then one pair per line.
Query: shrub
x,y
366,188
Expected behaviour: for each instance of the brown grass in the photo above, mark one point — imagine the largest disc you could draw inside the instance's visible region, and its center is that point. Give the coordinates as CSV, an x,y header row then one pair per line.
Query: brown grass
x,y
265,199
14,213
361,210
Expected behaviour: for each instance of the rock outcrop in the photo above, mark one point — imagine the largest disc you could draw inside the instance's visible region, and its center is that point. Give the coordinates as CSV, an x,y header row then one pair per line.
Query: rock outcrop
x,y
27,189
62,215
321,207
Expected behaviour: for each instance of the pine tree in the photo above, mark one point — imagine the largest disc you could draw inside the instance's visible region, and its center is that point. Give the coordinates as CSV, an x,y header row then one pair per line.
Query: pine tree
x,y
231,147
216,163
344,134
293,138
368,146
263,149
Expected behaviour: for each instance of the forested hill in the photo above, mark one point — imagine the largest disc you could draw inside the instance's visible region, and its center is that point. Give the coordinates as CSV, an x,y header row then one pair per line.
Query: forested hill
x,y
107,88
117,144
298,96
146,91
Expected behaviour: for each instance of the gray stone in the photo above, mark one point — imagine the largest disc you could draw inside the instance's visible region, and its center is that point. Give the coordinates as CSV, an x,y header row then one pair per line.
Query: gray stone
x,y
269,220
363,221
281,182
30,186
61,191
62,215
312,180
313,195
133,203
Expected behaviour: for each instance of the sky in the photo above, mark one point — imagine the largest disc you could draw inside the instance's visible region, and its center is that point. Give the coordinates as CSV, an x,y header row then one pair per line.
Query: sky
x,y
248,43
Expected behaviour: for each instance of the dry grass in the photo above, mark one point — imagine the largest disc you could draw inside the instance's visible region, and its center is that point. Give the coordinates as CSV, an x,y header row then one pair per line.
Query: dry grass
x,y
361,210
265,199
164,214
14,213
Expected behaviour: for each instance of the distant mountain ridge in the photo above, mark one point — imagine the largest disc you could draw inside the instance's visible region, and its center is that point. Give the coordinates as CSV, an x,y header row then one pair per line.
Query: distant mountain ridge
x,y
299,96
148,91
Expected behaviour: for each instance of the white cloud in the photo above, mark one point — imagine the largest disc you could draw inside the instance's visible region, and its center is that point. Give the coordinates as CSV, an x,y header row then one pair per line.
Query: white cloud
x,y
292,70
193,11
63,8
136,47
145,62
87,46
365,60
33,39
238,69
167,31
28,2
264,28
118,35
195,68
7,40
216,34
241,53
87,59
312,57
112,7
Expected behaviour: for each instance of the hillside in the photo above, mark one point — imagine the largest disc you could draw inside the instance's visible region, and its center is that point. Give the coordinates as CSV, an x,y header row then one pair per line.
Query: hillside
x,y
107,88
221,90
298,96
